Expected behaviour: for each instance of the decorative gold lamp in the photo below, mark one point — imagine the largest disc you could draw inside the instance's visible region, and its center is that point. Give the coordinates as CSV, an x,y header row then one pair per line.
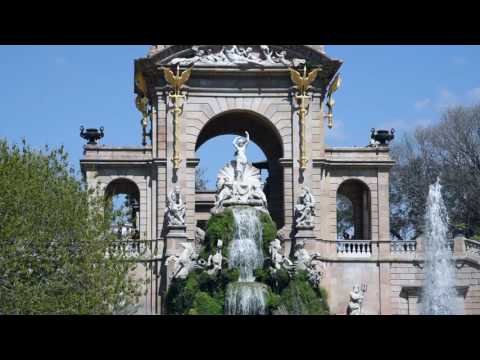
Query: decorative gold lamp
x,y
335,85
176,82
142,104
302,84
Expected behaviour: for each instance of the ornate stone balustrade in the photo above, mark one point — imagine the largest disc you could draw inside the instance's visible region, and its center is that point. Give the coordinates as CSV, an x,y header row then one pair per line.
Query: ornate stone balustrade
x,y
361,248
403,247
472,247
138,250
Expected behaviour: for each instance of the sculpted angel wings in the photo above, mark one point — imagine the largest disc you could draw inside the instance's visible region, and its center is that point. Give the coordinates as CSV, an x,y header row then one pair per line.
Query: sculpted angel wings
x,y
176,81
303,82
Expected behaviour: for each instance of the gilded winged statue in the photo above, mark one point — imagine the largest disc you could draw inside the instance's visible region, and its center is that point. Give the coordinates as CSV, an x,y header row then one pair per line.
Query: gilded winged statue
x,y
176,81
303,82
141,83
335,85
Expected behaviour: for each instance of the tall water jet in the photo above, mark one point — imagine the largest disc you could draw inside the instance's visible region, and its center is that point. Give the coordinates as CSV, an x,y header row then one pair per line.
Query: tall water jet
x,y
246,297
439,292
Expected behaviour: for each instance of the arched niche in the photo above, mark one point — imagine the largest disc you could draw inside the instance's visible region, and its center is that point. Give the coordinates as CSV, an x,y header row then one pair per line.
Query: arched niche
x,y
264,134
358,193
127,187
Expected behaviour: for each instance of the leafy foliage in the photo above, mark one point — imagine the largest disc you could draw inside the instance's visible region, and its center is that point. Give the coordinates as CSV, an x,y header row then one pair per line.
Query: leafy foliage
x,y
54,235
219,226
204,294
200,293
300,298
449,149
269,230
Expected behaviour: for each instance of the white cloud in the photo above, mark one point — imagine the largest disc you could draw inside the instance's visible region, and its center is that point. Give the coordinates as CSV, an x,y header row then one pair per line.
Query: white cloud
x,y
423,104
446,99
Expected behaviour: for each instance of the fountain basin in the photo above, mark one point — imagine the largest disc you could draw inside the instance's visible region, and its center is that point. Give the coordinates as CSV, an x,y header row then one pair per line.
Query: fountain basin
x,y
246,298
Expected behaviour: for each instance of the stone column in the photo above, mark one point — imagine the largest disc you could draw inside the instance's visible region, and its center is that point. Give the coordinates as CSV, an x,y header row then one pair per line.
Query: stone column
x,y
384,235
307,235
288,200
175,236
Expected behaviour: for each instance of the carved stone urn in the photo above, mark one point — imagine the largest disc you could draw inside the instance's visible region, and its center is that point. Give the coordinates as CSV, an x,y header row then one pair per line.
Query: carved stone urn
x,y
383,136
92,135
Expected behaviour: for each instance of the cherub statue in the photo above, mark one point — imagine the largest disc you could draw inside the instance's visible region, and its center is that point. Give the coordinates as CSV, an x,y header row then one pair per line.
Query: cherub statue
x,y
240,143
199,53
215,261
303,261
267,54
224,191
184,263
305,208
356,300
175,209
257,193
301,257
277,258
281,58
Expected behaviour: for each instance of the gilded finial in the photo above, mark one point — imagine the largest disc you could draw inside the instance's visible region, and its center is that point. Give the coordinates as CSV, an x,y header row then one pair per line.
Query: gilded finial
x,y
335,85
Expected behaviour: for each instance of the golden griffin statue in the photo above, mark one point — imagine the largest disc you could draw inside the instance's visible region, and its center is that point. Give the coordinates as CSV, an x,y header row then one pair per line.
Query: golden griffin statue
x,y
335,85
142,103
176,82
303,84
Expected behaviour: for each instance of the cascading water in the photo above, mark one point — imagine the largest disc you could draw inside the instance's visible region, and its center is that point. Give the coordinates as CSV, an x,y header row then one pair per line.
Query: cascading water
x,y
439,292
246,297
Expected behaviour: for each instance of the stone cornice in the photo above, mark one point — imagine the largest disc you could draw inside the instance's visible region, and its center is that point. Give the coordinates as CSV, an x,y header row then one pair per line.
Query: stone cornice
x,y
354,163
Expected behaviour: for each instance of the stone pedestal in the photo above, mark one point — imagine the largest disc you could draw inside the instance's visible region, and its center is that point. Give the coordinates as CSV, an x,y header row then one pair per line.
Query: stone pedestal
x,y
306,234
175,236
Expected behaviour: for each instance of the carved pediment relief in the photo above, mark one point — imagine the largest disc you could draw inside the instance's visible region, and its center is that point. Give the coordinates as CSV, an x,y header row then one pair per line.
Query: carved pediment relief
x,y
244,56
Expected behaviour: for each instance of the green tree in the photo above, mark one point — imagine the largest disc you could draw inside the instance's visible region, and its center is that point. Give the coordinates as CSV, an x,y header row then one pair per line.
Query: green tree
x,y
449,149
54,237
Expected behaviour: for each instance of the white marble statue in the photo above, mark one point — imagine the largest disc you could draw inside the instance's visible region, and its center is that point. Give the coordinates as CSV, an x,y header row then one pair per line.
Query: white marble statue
x,y
238,182
199,53
305,209
237,55
215,261
356,300
175,209
183,264
199,237
240,143
301,257
303,261
258,194
278,259
224,190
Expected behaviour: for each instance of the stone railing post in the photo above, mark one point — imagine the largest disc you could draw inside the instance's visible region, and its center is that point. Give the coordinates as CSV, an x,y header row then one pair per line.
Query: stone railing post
x,y
459,245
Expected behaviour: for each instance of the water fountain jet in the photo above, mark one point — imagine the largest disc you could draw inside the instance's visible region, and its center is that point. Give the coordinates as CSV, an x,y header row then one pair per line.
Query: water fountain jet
x,y
439,292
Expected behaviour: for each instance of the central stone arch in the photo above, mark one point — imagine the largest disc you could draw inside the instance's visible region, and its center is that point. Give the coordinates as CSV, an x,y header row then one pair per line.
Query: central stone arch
x,y
263,133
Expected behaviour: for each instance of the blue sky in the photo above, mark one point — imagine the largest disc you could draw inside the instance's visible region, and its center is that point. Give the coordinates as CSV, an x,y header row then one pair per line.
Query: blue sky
x,y
47,92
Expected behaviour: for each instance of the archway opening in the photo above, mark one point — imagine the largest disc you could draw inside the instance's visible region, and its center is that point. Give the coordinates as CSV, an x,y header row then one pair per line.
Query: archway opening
x,y
345,223
264,151
123,198
353,210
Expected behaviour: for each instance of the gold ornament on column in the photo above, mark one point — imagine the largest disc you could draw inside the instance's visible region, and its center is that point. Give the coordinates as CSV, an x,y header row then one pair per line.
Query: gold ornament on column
x,y
302,84
142,103
335,85
176,82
